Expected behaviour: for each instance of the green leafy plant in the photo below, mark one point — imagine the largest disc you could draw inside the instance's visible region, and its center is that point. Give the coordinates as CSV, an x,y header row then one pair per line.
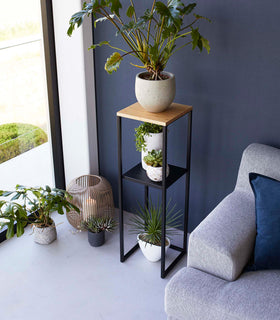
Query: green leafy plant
x,y
154,158
148,222
151,37
144,129
32,205
98,224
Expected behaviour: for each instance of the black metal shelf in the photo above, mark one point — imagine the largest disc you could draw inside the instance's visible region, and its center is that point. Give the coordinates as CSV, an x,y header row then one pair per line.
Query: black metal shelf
x,y
138,174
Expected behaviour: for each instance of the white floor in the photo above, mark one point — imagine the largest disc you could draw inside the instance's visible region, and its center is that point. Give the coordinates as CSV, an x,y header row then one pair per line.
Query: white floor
x,y
71,280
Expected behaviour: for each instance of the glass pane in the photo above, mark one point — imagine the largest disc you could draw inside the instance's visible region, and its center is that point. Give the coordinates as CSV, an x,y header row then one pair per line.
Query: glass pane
x,y
25,143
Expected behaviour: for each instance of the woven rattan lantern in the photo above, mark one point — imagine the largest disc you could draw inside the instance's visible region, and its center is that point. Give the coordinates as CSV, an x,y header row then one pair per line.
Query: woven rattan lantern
x,y
93,196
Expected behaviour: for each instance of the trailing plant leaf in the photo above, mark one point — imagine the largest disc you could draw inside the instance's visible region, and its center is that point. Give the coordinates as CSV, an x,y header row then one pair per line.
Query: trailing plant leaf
x,y
141,131
113,62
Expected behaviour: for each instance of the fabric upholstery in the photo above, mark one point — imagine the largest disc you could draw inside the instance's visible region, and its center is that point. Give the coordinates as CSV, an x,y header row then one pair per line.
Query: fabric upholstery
x,y
195,295
223,242
261,159
267,199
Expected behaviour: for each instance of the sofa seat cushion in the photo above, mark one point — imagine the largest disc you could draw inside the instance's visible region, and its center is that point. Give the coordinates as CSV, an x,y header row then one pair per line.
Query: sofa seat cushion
x,y
195,295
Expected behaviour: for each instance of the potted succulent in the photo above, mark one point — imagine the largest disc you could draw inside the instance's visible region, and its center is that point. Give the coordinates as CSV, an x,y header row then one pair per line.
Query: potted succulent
x,y
147,225
153,161
33,205
148,137
151,37
96,227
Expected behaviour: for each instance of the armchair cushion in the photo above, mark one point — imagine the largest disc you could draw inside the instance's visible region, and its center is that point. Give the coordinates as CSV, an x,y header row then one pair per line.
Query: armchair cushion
x,y
223,242
267,246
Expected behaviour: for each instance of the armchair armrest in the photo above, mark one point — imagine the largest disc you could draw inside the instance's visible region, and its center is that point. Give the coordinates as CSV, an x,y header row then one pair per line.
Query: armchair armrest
x,y
223,242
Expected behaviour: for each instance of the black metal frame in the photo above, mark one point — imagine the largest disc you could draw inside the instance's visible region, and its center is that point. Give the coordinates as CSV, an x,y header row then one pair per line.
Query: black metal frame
x,y
137,174
53,98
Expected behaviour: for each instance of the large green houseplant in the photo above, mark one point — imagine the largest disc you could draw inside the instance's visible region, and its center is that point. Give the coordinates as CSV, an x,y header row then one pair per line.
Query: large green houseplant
x,y
33,205
151,37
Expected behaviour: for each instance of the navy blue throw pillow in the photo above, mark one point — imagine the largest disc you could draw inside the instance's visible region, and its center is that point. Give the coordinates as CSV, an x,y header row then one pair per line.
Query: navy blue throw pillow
x,y
267,199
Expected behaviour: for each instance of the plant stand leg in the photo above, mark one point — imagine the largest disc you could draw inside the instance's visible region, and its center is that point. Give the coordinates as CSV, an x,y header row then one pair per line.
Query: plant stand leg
x,y
119,128
163,225
188,166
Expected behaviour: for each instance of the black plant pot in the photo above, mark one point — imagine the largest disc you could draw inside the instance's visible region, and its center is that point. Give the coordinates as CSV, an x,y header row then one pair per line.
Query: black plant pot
x,y
96,239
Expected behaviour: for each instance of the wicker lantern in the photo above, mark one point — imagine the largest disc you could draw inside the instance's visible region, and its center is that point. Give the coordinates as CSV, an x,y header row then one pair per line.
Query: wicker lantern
x,y
93,196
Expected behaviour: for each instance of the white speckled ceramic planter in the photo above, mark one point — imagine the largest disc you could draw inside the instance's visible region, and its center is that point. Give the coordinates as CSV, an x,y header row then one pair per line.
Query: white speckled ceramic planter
x,y
44,235
155,95
155,173
153,142
150,251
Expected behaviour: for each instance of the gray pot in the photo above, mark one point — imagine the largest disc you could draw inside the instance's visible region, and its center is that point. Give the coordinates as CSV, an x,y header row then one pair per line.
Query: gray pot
x,y
155,96
44,235
96,239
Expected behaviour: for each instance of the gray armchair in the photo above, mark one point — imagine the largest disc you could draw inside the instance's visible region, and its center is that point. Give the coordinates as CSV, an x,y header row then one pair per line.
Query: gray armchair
x,y
212,286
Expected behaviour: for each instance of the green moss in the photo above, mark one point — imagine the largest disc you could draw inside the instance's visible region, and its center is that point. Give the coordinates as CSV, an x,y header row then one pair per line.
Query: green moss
x,y
17,138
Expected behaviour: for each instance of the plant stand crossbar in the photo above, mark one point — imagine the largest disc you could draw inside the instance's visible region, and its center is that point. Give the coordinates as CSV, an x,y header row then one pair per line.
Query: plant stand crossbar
x,y
137,174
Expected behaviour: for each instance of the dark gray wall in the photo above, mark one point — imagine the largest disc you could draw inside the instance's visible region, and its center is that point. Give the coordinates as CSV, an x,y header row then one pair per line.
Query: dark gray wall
x,y
234,92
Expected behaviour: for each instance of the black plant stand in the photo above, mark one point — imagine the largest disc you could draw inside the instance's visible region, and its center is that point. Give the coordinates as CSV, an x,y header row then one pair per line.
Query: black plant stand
x,y
138,175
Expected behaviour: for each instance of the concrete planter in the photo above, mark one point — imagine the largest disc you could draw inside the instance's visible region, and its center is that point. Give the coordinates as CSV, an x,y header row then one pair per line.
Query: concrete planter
x,y
150,251
153,142
155,95
96,239
155,173
44,235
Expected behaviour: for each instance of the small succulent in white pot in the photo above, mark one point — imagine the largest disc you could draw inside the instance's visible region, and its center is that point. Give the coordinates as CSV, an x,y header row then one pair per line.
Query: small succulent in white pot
x,y
147,224
153,161
148,137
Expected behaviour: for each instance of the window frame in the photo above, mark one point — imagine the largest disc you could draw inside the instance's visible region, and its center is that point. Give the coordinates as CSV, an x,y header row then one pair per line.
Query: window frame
x,y
53,98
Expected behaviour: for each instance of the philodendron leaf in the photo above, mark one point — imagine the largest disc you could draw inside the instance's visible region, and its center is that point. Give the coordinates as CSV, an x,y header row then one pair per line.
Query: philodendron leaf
x,y
113,62
115,6
188,9
205,44
130,11
100,44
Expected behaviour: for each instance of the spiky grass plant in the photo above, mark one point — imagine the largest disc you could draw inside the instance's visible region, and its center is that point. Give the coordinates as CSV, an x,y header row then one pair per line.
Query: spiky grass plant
x,y
98,224
148,222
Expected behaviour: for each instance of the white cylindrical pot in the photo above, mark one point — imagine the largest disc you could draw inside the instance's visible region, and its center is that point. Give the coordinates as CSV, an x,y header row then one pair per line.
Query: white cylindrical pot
x,y
150,251
44,235
153,142
155,173
155,95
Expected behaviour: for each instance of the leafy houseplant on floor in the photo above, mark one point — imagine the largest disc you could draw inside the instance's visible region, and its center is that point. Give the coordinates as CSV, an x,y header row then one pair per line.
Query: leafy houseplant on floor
x,y
147,224
96,227
153,161
33,205
148,137
151,37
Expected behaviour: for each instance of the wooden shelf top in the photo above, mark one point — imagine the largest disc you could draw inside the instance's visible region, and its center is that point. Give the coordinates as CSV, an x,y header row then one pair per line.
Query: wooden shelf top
x,y
136,112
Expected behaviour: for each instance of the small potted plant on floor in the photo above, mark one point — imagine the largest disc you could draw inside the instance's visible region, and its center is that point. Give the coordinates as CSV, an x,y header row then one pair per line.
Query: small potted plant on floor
x,y
148,137
153,161
147,225
33,205
152,37
96,227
